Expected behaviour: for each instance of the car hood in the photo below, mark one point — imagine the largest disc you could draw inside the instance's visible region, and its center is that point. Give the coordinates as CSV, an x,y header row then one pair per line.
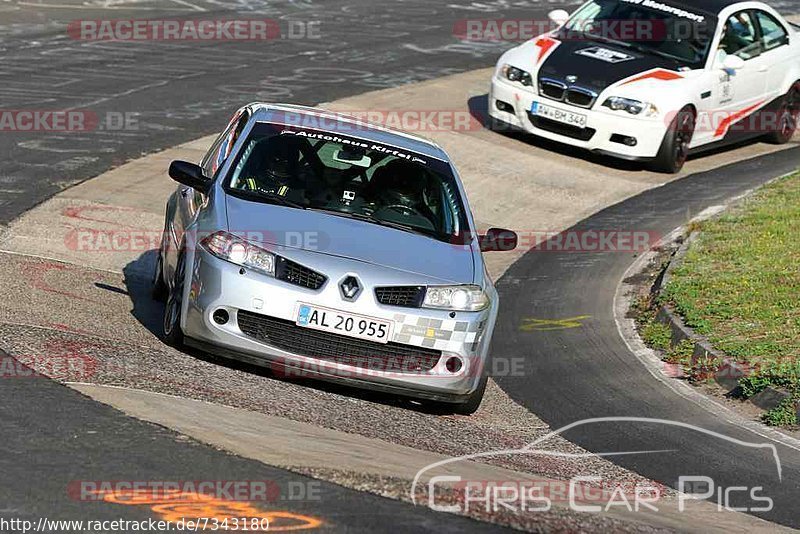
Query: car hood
x,y
277,227
597,65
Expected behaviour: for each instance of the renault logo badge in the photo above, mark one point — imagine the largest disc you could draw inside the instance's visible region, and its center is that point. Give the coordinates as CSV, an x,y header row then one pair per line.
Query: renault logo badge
x,y
350,288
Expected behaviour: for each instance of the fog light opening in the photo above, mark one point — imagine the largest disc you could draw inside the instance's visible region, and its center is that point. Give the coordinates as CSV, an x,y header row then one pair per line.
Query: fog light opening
x,y
504,106
624,140
453,365
221,316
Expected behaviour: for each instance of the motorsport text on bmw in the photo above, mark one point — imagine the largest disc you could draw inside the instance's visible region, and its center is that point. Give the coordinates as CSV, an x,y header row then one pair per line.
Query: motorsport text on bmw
x,y
691,74
310,241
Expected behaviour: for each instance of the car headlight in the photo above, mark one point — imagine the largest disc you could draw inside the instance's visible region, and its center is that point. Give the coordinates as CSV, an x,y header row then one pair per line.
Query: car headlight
x,y
634,107
517,75
457,298
235,250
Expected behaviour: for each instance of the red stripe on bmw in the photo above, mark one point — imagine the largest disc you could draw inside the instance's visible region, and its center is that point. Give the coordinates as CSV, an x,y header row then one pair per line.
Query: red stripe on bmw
x,y
726,123
545,45
658,74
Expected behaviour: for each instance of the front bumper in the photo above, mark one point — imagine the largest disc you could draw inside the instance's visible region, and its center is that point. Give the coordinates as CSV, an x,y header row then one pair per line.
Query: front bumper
x,y
214,284
601,126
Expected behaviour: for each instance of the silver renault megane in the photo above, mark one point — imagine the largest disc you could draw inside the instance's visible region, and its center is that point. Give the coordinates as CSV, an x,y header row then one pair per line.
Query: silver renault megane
x,y
313,243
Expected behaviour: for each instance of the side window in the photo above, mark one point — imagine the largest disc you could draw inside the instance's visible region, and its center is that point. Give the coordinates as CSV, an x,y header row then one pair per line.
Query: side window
x,y
209,157
773,34
221,149
739,36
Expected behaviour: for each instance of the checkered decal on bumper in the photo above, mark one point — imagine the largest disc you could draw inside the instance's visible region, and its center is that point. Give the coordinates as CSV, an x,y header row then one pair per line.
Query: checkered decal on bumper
x,y
445,335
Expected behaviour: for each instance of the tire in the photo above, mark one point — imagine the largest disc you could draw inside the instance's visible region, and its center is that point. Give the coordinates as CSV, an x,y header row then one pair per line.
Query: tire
x,y
473,402
675,147
160,289
173,335
788,116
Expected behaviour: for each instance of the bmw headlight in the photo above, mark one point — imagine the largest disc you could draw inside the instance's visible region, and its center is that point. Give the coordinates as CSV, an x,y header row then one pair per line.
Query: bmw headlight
x,y
634,107
517,75
235,250
457,298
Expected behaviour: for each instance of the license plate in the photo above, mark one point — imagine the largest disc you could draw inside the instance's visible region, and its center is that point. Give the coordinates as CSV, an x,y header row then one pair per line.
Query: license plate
x,y
346,324
559,115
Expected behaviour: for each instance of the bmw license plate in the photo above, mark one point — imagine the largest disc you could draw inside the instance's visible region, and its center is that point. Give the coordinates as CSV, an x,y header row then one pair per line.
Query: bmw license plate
x,y
559,115
345,324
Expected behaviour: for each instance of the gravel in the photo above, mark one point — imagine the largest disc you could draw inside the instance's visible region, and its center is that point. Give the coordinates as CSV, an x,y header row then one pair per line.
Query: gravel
x,y
96,327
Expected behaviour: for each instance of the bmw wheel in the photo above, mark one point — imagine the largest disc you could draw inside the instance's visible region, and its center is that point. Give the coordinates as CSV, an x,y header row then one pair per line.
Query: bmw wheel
x,y
674,149
788,115
173,334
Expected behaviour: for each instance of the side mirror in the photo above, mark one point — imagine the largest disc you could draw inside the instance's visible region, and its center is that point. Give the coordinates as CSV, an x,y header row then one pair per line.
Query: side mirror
x,y
733,62
558,16
189,174
498,240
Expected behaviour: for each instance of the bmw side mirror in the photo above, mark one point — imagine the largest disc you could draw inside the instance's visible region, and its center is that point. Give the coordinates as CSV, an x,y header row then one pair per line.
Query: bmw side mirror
x,y
498,240
189,174
558,16
733,63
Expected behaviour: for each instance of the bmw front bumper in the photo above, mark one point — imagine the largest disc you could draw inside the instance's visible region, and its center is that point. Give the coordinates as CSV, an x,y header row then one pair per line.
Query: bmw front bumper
x,y
605,132
251,298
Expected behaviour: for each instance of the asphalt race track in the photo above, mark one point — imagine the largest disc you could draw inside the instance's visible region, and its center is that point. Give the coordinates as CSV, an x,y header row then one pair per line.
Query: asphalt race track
x,y
177,92
53,437
587,372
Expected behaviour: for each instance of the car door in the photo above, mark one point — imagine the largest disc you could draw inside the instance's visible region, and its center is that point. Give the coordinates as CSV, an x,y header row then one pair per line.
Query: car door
x,y
188,201
777,53
738,93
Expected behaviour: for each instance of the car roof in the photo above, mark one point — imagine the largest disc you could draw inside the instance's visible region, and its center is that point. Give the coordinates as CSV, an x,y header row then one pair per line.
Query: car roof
x,y
708,6
344,124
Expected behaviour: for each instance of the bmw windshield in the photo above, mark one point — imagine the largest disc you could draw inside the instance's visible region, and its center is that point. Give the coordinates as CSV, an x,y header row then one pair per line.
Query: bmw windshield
x,y
680,34
349,177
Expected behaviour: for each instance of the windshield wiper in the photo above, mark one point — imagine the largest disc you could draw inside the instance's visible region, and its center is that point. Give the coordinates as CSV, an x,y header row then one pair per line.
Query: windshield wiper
x,y
271,198
648,50
603,39
381,222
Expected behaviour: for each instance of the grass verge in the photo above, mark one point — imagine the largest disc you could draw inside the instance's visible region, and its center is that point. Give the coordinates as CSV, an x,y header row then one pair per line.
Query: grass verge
x,y
739,285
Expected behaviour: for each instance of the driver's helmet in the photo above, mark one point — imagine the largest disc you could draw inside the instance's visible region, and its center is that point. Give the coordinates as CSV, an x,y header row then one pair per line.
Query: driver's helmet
x,y
399,182
278,159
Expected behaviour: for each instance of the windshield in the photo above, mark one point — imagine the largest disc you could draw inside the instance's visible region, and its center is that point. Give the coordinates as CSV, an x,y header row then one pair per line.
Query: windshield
x,y
349,177
651,27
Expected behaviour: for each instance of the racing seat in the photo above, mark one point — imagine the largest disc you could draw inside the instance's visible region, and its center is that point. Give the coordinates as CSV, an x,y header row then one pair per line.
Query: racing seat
x,y
398,188
277,168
